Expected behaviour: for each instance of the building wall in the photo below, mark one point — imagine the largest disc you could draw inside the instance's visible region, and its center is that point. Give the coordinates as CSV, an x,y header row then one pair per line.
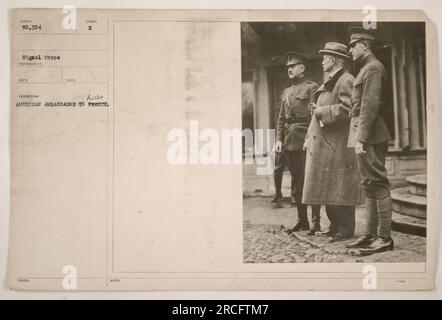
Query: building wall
x,y
404,57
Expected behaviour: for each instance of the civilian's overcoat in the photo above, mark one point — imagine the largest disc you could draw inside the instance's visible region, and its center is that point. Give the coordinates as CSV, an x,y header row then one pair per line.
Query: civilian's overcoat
x,y
331,173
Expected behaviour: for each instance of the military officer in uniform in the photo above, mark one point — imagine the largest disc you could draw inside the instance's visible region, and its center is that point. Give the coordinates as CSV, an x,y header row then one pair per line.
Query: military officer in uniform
x,y
293,121
369,135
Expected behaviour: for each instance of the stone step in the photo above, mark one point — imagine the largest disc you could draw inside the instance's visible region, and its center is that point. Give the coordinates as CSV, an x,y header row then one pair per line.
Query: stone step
x,y
409,204
409,225
418,184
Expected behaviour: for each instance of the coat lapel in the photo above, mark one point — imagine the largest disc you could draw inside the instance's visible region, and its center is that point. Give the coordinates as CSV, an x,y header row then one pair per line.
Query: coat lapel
x,y
329,84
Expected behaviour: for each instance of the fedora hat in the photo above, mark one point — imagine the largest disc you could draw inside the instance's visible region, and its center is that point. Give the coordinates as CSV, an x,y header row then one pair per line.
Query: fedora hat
x,y
335,49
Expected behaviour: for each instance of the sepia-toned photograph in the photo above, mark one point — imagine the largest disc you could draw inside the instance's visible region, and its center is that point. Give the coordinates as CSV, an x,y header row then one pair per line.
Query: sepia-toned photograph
x,y
230,150
347,104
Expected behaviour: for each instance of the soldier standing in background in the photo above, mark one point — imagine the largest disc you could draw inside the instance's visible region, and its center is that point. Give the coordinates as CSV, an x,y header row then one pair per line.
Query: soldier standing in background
x,y
369,135
294,118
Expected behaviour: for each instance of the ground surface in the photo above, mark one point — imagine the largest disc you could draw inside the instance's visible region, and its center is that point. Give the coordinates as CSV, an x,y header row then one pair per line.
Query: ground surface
x,y
266,242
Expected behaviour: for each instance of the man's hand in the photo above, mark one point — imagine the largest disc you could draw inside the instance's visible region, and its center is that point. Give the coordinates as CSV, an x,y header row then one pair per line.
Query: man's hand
x,y
312,106
278,146
359,148
305,145
315,110
318,113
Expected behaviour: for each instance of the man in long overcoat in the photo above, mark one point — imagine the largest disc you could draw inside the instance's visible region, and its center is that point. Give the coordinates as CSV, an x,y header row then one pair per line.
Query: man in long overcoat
x,y
331,175
293,120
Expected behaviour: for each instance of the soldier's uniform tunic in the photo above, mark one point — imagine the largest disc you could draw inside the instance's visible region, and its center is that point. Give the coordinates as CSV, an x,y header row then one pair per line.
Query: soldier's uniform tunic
x,y
293,121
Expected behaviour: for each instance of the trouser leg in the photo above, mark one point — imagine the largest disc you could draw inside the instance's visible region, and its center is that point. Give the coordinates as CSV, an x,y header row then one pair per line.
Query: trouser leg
x,y
384,208
377,190
331,214
278,172
346,218
296,165
316,219
316,215
293,189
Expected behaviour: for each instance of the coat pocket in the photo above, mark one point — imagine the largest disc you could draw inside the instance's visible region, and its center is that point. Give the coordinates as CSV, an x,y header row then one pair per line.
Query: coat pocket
x,y
301,105
329,142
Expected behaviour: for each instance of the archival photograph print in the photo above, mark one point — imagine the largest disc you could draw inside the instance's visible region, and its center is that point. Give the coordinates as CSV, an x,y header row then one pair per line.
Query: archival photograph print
x,y
347,105
222,150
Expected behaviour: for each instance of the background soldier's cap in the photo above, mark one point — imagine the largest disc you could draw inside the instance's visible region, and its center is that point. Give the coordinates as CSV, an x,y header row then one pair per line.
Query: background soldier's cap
x,y
335,49
295,58
359,33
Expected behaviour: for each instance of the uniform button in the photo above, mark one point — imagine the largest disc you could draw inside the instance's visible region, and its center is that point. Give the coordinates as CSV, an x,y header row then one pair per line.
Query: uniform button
x,y
314,137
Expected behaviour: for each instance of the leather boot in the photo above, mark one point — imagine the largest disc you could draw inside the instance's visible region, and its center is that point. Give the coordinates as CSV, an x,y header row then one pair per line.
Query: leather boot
x,y
326,233
361,242
277,177
316,227
301,225
316,220
338,237
379,245
276,198
371,224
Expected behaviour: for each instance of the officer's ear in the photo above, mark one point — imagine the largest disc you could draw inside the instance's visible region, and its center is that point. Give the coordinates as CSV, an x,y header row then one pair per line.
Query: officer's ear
x,y
367,44
302,67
